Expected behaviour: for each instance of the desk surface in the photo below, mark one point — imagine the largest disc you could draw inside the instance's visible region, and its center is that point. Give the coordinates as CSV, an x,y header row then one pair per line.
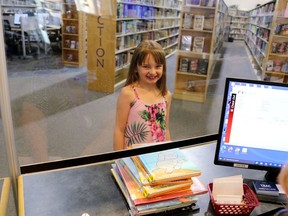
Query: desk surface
x,y
91,189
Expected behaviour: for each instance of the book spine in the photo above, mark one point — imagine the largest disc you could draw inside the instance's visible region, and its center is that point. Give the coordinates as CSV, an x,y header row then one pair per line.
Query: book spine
x,y
138,163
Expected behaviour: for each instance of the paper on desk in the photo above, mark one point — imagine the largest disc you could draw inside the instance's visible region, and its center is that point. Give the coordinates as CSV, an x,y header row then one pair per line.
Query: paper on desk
x,y
228,190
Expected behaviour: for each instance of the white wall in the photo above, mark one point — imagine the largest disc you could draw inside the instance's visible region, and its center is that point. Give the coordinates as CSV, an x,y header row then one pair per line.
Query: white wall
x,y
245,4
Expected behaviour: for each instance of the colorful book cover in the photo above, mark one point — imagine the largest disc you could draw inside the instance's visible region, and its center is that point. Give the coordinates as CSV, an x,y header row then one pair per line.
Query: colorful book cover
x,y
168,165
154,207
138,198
156,190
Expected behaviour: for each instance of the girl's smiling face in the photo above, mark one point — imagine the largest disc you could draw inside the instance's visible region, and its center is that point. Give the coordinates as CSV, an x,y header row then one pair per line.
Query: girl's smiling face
x,y
149,71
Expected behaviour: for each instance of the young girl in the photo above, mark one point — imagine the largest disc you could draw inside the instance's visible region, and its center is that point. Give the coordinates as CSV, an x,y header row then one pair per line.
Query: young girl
x,y
144,103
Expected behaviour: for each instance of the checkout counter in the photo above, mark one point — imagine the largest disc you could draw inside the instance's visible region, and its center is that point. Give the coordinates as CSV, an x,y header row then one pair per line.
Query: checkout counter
x,y
91,189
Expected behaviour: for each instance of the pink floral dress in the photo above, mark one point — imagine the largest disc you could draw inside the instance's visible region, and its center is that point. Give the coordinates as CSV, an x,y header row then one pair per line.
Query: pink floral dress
x,y
146,123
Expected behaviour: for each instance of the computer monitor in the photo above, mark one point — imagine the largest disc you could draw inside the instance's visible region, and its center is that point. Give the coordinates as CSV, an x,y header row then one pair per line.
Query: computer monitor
x,y
253,131
17,18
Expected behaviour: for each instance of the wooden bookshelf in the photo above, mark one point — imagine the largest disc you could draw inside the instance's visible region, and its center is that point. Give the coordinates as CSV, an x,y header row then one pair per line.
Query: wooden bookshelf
x,y
259,28
202,33
122,29
73,35
276,61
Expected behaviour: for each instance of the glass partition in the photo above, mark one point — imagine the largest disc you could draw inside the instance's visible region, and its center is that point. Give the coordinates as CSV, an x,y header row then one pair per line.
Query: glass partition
x,y
58,114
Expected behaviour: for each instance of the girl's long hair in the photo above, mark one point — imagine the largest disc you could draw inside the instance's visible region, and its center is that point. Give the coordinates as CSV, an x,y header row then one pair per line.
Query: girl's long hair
x,y
145,48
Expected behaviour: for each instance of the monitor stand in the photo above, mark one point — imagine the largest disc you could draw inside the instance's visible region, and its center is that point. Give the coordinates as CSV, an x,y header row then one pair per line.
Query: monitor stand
x,y
272,176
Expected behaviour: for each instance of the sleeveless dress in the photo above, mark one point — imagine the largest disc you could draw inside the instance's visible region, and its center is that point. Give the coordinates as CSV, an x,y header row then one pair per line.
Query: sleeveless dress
x,y
146,123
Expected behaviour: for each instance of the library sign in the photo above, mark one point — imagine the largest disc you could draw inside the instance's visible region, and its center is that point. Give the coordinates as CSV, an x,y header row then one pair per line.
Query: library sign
x,y
101,52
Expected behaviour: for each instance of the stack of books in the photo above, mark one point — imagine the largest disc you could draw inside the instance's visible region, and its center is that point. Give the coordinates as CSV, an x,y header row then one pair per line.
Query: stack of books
x,y
158,182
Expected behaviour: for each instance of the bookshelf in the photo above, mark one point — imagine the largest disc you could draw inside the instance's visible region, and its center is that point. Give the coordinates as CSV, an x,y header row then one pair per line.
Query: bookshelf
x,y
127,24
11,7
238,22
201,36
259,30
73,35
276,62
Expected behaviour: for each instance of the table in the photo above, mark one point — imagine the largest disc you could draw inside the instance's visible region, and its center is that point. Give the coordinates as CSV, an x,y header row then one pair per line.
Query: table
x,y
91,188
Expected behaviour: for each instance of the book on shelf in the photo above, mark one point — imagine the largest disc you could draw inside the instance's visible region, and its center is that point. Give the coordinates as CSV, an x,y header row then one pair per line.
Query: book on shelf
x,y
265,188
198,22
67,43
150,191
284,67
202,66
193,2
186,42
269,65
183,64
187,21
193,65
277,65
72,44
180,204
210,3
168,165
281,29
198,44
208,22
190,85
70,57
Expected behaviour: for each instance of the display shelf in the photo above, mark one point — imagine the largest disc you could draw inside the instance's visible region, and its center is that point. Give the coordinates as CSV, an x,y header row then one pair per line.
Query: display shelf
x,y
73,35
276,61
124,28
238,22
200,38
259,30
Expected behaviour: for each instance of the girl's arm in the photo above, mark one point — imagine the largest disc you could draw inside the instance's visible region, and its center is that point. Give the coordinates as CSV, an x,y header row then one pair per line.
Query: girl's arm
x,y
169,98
122,111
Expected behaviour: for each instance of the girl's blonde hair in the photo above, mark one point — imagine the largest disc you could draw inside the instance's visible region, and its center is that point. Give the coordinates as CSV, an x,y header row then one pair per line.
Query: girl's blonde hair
x,y
145,48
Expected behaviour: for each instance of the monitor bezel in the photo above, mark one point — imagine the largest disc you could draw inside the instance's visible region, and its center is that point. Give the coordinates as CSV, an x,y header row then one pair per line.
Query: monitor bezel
x,y
272,172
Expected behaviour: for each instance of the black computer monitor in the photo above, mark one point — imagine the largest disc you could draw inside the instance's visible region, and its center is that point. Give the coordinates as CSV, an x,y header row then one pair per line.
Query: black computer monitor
x,y
253,131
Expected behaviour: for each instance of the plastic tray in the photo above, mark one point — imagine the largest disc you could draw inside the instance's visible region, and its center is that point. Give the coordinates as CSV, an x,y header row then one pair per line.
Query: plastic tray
x,y
250,201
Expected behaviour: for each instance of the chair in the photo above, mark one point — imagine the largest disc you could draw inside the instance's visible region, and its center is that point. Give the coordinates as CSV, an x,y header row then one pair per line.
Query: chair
x,y
11,39
31,32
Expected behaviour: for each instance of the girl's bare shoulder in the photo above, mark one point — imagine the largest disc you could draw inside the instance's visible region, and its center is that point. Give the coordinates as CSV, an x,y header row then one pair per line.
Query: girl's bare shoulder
x,y
127,92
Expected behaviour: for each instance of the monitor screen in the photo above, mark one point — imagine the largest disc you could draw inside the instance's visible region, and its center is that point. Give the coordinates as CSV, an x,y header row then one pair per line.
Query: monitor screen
x,y
17,18
254,126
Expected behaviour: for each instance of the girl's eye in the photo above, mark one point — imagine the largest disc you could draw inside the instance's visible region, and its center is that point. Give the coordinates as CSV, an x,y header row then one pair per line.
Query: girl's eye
x,y
146,66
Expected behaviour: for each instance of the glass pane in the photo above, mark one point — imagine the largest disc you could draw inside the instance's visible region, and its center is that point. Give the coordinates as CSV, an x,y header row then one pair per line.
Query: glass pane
x,y
63,110
8,204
